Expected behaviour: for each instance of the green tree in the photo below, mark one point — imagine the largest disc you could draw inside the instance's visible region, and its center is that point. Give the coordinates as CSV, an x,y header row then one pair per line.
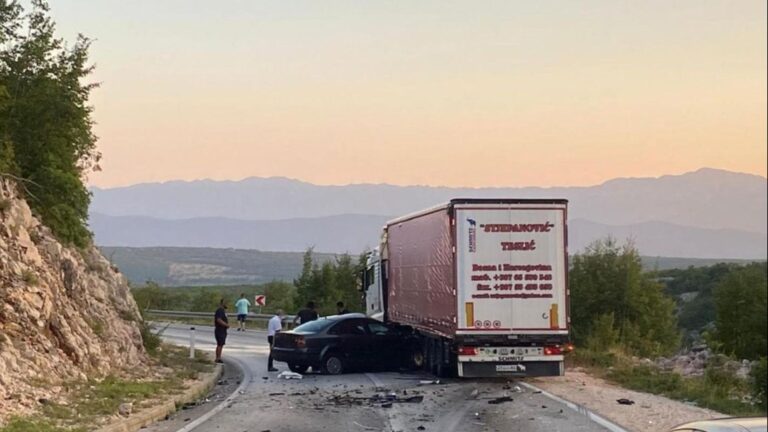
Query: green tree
x,y
741,305
207,301
46,133
280,295
303,284
608,279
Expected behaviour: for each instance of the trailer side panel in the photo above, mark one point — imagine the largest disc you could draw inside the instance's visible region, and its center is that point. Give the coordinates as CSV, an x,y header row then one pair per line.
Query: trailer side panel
x,y
421,274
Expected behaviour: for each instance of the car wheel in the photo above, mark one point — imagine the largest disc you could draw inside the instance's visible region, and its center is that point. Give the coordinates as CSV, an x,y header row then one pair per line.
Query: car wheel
x,y
333,364
300,369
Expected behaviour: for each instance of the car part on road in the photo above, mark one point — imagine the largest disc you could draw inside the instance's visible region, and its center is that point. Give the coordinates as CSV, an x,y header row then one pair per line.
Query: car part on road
x,y
289,375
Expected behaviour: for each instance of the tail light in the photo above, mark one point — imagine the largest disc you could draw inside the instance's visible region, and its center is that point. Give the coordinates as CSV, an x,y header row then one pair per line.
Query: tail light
x,y
553,350
568,348
467,350
300,342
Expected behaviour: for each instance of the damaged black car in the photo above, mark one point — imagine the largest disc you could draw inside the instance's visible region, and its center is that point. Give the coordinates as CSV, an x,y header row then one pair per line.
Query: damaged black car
x,y
343,343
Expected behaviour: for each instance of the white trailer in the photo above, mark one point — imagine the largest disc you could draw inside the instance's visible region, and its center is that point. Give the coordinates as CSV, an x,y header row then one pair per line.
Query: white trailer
x,y
482,283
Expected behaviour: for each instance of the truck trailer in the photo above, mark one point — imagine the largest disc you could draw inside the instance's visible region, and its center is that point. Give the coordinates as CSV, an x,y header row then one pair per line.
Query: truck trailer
x,y
481,285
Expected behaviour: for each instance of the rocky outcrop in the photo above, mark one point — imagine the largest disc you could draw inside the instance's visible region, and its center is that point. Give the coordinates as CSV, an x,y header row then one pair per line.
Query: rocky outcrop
x,y
695,362
65,314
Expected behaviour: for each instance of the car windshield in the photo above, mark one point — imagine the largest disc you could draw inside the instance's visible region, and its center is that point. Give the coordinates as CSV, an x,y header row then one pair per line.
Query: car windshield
x,y
315,326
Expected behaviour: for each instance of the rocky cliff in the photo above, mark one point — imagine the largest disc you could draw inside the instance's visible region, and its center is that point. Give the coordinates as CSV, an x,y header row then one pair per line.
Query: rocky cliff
x,y
65,314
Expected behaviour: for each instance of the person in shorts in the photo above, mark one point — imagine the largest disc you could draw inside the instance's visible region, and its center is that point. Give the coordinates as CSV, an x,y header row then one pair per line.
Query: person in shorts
x,y
242,306
221,324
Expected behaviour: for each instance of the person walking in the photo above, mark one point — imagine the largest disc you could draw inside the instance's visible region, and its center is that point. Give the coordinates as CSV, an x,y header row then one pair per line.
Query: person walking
x,y
306,315
274,326
340,309
221,324
242,306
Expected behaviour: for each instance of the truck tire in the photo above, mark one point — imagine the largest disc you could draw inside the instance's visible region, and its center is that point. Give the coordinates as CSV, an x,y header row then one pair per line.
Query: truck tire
x,y
332,364
415,358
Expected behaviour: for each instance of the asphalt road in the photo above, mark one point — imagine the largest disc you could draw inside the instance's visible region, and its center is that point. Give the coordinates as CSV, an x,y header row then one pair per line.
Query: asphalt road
x,y
342,403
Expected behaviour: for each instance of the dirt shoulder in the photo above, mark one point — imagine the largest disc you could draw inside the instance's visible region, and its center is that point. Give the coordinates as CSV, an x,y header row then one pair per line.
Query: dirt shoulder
x,y
649,413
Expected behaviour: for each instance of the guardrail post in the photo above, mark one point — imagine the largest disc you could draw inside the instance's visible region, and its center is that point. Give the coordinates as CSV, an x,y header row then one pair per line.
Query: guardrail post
x,y
192,343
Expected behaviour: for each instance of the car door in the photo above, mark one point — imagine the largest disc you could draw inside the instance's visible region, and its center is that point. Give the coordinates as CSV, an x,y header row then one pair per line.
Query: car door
x,y
353,340
386,344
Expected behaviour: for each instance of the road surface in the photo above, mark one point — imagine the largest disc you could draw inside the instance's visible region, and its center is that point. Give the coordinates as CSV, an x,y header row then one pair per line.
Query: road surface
x,y
342,403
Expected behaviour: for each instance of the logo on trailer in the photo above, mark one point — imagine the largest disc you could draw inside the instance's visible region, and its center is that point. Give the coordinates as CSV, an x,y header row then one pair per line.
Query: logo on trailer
x,y
472,235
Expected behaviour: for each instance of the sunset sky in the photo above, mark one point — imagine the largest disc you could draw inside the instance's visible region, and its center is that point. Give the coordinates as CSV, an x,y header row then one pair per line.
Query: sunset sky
x,y
491,93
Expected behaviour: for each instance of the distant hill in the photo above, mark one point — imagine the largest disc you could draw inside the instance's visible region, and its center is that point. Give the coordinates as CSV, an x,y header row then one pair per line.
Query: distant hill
x,y
356,233
206,266
178,266
707,198
344,233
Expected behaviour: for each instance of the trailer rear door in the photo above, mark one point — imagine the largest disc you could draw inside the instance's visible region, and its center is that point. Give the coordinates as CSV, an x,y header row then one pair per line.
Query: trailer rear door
x,y
511,268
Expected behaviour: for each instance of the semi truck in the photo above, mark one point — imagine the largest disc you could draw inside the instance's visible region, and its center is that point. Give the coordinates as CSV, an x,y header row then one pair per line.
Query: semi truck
x,y
481,285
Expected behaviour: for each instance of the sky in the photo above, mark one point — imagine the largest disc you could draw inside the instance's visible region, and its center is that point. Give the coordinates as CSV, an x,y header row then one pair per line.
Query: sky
x,y
453,93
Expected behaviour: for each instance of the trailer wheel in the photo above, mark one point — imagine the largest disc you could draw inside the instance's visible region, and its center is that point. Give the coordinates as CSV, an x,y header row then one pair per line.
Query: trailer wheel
x,y
415,359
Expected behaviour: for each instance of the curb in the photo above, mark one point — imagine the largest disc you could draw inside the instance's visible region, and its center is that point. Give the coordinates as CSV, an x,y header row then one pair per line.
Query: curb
x,y
247,379
591,415
159,411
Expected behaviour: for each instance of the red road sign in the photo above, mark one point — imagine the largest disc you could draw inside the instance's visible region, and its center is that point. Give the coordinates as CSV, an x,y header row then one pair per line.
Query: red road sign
x,y
261,300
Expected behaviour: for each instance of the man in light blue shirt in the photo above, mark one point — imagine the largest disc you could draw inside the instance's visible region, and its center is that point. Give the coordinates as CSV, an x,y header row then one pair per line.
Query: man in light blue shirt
x,y
242,306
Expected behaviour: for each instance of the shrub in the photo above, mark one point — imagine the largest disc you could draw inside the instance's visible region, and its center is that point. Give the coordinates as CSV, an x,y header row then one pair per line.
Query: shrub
x,y
150,339
29,277
759,383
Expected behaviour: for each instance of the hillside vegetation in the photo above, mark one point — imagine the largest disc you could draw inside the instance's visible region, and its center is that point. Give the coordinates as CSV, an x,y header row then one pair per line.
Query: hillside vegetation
x,y
46,140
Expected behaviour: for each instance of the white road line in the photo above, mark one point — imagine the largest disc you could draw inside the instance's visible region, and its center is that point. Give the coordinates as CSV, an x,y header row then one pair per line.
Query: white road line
x,y
247,378
602,421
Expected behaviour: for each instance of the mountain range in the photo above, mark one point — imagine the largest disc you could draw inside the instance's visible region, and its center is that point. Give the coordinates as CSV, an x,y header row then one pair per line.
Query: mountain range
x,y
708,213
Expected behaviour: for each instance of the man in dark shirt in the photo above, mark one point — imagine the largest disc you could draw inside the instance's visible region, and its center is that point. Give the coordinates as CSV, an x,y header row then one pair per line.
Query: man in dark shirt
x,y
340,309
221,324
306,315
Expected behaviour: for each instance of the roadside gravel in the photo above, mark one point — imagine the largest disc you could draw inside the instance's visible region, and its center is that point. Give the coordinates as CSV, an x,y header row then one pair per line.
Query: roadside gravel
x,y
649,413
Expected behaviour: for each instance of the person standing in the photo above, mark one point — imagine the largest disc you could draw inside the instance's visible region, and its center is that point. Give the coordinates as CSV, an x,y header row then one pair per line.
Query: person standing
x,y
242,306
340,309
274,326
306,315
221,324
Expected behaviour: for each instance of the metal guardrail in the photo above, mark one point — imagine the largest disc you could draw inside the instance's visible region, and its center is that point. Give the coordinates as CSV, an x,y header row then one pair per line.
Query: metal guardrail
x,y
187,314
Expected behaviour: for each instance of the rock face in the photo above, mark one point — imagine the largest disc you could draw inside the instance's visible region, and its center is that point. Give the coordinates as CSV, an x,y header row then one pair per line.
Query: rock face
x,y
65,314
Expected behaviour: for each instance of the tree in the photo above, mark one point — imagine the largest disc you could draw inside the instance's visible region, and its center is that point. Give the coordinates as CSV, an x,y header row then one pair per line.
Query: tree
x,y
46,136
741,305
280,295
207,301
608,281
303,284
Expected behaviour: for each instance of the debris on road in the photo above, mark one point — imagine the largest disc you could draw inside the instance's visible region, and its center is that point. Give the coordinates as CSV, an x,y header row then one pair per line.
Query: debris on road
x,y
500,400
364,426
427,382
624,401
289,375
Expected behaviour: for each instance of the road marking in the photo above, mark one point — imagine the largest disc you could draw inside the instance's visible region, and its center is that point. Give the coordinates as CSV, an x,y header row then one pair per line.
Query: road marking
x,y
392,422
602,421
247,378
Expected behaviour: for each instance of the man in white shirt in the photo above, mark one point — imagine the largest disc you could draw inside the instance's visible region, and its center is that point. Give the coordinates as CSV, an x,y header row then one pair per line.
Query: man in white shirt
x,y
275,325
